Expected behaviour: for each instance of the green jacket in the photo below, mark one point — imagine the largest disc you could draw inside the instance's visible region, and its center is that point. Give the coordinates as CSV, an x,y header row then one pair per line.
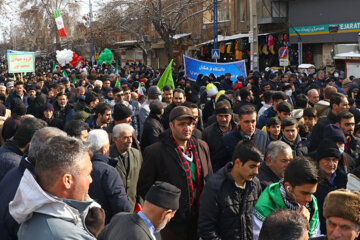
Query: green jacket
x,y
82,111
271,199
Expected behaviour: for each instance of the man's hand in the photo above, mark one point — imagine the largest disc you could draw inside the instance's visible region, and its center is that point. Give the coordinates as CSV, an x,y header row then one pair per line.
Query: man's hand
x,y
305,212
95,220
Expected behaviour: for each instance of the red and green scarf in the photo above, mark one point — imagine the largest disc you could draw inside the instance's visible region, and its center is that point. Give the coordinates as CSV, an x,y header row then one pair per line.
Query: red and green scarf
x,y
199,176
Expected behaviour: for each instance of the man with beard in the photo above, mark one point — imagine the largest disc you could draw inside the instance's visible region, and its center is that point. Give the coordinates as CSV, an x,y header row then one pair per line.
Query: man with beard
x,y
101,118
184,161
224,123
346,121
62,109
178,99
161,203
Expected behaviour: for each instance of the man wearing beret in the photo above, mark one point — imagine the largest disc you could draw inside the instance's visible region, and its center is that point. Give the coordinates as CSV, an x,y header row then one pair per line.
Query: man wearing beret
x,y
161,203
183,161
342,213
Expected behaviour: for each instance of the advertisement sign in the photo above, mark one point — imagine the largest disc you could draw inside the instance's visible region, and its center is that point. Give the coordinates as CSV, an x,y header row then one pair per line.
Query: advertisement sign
x,y
194,67
21,62
324,29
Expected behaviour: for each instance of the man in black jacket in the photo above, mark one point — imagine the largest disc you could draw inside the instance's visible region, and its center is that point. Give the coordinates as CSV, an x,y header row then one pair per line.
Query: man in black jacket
x,y
230,195
246,129
224,123
338,104
152,125
178,99
173,159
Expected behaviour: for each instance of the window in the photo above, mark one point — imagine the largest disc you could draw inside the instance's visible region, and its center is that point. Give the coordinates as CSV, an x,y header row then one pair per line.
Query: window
x,y
279,9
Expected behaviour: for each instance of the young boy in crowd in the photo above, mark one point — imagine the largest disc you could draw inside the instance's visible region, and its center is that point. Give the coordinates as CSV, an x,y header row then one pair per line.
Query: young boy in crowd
x,y
273,127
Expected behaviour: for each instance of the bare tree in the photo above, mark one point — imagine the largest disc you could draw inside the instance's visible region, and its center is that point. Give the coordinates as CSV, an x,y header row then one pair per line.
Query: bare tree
x,y
34,25
166,16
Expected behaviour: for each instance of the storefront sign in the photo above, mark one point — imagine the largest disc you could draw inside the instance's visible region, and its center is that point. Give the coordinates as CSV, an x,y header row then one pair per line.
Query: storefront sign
x,y
324,29
194,67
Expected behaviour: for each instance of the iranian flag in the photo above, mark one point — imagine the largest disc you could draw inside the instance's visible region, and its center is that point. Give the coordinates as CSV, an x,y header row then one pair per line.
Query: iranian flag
x,y
78,65
59,23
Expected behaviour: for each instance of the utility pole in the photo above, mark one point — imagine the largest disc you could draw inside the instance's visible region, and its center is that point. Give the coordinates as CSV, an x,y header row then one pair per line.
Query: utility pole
x,y
253,37
92,37
215,3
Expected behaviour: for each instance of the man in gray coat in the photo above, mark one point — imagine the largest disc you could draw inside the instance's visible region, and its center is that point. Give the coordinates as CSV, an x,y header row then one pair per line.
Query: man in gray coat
x,y
161,203
128,160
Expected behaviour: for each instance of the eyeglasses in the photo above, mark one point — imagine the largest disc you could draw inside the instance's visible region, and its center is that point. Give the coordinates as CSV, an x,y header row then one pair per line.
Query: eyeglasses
x,y
119,95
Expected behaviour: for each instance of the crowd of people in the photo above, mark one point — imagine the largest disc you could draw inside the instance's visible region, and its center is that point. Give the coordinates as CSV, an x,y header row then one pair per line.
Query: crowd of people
x,y
106,154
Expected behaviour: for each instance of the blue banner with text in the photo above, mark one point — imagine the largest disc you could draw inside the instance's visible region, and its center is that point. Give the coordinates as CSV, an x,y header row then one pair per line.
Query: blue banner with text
x,y
194,67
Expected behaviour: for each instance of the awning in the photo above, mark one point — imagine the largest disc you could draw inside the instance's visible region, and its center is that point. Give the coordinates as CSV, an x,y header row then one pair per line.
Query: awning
x,y
232,37
181,35
126,43
347,51
347,55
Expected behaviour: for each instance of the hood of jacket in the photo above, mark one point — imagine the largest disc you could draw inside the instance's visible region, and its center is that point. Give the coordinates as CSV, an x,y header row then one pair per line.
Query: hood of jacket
x,y
30,198
323,103
82,106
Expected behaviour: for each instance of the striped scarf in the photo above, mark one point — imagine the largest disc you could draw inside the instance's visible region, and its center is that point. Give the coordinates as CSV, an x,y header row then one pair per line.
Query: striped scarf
x,y
199,176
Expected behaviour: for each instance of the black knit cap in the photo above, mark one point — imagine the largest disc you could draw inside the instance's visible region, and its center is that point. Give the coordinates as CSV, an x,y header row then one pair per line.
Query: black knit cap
x,y
164,195
121,112
327,148
334,132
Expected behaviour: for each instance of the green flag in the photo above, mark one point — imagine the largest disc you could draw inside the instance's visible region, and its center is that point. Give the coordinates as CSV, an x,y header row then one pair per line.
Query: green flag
x,y
65,74
74,80
116,68
117,84
166,78
53,67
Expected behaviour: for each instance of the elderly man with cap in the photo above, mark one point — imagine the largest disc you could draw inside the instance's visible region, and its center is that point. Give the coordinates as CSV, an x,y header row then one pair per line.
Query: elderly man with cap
x,y
152,126
161,203
184,161
154,93
341,210
331,176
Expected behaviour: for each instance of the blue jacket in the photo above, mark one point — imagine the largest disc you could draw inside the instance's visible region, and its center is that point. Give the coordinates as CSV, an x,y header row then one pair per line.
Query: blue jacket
x,y
264,118
226,84
13,98
107,187
226,148
10,157
8,185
